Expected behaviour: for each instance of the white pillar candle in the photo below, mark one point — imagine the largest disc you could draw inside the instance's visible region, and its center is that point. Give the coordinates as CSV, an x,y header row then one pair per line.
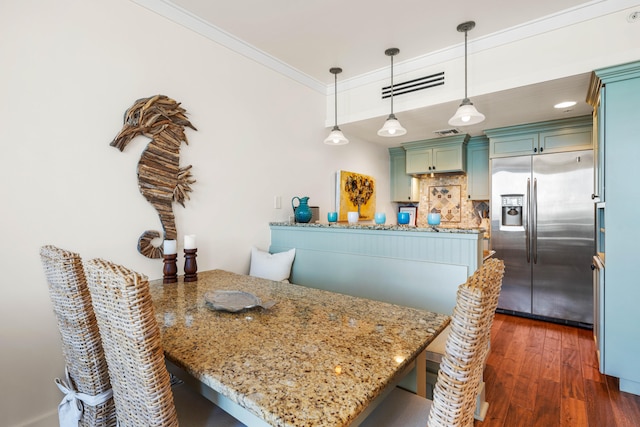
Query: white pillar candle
x,y
170,247
190,241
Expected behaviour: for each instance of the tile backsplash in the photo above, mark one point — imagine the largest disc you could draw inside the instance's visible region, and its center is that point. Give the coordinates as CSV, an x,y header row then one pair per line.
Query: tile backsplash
x,y
448,193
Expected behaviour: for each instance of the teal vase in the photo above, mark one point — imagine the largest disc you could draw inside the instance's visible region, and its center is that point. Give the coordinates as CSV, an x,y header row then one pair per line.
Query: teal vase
x,y
302,211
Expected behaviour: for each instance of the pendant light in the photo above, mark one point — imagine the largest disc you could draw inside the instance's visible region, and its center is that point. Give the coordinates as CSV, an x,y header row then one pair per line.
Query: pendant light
x,y
467,113
392,126
336,137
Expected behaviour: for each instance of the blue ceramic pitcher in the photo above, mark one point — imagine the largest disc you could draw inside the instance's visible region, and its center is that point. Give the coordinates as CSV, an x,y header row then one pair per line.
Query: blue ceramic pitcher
x,y
302,211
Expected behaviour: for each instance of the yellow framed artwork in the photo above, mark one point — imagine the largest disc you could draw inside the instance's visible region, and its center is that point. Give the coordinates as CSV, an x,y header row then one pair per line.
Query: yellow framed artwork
x,y
355,192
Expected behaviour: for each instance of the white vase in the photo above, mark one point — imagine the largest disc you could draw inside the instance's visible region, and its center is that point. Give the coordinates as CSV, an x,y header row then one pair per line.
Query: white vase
x,y
353,217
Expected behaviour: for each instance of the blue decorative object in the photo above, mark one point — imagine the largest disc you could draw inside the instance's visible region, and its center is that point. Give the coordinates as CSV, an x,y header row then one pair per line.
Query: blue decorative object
x,y
403,218
302,211
433,219
380,217
332,216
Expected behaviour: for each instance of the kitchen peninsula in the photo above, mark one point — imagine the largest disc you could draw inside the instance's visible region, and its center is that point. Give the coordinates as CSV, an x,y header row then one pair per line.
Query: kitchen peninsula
x,y
410,266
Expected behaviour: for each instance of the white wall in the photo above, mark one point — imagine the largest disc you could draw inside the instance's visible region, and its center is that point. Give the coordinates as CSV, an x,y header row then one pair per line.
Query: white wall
x,y
69,70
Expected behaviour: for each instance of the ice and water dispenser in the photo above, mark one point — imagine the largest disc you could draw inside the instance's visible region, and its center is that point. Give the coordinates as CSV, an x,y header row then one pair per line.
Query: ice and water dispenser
x,y
512,210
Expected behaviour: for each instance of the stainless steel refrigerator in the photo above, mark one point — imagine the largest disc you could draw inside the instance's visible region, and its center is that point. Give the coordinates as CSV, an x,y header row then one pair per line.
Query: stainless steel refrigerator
x,y
542,226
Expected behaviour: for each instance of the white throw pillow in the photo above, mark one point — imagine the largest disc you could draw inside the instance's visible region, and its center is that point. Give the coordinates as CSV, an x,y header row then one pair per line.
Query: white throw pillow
x,y
271,266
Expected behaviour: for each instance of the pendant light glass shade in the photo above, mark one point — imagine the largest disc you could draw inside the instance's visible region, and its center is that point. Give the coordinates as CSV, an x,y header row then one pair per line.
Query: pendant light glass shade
x,y
466,114
336,136
392,126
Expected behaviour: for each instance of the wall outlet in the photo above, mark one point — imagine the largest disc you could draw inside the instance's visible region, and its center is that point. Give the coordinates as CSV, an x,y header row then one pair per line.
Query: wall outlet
x,y
277,202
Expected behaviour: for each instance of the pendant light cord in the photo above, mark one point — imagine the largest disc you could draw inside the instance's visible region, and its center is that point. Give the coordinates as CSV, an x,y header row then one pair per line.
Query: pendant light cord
x,y
465,64
392,85
335,98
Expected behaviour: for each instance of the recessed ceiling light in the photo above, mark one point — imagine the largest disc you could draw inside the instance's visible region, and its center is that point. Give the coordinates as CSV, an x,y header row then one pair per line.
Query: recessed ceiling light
x,y
565,104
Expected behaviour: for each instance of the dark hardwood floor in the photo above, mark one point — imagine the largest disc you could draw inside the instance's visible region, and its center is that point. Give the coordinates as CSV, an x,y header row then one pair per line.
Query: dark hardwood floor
x,y
544,374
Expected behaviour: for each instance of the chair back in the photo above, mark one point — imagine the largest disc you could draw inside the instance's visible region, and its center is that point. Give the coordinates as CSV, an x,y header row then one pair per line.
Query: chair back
x,y
467,347
132,345
81,345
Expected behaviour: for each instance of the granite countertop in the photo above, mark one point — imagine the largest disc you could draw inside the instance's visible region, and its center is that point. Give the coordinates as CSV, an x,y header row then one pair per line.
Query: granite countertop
x,y
389,227
316,358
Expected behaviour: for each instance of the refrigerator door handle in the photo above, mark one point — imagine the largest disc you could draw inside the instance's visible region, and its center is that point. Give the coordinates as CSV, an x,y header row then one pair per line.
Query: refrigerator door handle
x,y
526,221
534,222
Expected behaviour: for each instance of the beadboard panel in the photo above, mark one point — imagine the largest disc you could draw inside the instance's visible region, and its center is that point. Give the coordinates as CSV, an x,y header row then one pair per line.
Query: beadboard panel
x,y
411,268
443,247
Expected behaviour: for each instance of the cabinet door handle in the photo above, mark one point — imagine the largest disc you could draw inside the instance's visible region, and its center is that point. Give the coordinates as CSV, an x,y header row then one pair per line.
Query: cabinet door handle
x,y
535,150
541,149
593,196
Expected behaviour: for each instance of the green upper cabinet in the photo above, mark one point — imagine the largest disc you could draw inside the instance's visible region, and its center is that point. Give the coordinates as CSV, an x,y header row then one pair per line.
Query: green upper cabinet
x,y
539,138
447,154
404,188
513,145
419,160
615,92
478,168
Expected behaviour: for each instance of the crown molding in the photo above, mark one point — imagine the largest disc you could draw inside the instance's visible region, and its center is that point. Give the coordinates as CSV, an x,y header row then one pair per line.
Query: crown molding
x,y
183,17
586,11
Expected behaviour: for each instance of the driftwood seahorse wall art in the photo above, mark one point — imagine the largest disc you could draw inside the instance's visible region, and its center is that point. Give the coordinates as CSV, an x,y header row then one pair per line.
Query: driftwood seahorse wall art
x,y
161,180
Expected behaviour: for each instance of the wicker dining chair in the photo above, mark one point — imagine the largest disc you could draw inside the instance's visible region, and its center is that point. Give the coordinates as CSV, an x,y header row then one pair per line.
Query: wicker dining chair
x,y
133,350
435,352
460,374
86,368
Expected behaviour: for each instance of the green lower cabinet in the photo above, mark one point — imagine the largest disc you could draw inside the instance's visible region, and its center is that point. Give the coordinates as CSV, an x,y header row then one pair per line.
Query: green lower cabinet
x,y
478,168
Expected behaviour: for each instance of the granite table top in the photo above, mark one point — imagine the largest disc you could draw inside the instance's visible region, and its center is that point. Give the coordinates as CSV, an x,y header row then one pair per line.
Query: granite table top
x,y
316,358
387,227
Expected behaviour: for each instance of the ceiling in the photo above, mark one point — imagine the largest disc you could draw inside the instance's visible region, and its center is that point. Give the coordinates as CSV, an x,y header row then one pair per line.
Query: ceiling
x,y
310,36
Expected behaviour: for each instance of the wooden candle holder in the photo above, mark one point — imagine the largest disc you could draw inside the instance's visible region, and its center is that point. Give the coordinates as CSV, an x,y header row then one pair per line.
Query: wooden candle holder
x,y
170,269
190,265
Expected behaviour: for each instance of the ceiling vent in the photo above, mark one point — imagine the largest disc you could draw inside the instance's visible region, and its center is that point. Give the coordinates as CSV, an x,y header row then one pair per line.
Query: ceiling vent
x,y
414,85
446,132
